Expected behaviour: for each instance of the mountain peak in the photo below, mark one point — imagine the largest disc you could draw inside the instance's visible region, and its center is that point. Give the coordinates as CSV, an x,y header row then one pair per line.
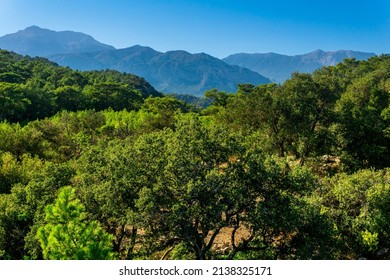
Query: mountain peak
x,y
318,51
33,28
37,41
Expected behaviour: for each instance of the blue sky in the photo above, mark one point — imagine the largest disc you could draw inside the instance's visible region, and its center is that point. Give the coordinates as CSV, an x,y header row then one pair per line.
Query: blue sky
x,y
217,27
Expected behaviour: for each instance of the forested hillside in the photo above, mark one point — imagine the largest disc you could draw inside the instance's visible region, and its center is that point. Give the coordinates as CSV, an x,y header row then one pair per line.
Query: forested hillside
x,y
37,88
93,167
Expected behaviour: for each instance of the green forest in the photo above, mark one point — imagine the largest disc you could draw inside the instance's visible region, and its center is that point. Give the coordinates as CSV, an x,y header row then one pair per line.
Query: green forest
x,y
99,165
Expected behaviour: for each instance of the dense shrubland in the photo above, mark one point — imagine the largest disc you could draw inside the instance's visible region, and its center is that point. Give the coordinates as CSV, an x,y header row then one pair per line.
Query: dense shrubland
x,y
99,165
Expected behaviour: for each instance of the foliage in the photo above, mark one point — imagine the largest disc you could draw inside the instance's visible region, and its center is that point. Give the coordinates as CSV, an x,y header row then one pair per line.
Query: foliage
x,y
67,235
359,203
291,171
36,88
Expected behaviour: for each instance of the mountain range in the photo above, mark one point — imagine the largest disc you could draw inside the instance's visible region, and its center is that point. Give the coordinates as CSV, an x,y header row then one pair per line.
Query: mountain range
x,y
170,72
278,68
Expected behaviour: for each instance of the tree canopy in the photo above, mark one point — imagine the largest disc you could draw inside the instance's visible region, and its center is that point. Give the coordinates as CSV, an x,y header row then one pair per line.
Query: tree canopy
x,y
98,165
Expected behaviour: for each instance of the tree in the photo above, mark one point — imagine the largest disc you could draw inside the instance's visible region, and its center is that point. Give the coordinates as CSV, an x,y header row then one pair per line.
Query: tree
x,y
22,210
164,109
13,102
308,114
260,109
268,200
69,98
68,235
109,179
359,206
117,96
362,122
183,207
218,98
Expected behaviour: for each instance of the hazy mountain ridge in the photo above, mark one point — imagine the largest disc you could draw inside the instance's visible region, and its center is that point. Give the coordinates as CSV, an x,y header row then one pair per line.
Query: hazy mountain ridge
x,y
36,41
173,71
279,67
170,72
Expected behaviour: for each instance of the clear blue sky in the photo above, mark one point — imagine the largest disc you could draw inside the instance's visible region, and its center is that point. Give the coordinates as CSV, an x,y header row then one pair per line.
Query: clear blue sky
x,y
217,27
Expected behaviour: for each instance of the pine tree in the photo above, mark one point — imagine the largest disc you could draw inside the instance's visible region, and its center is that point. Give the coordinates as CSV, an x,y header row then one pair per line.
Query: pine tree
x,y
68,235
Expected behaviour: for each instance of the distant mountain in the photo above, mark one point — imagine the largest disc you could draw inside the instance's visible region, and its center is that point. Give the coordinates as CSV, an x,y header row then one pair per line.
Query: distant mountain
x,y
35,41
279,67
171,72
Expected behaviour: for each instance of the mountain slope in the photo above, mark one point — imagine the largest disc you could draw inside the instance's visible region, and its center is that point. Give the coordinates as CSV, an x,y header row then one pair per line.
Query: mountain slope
x,y
35,41
279,67
170,72
36,88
